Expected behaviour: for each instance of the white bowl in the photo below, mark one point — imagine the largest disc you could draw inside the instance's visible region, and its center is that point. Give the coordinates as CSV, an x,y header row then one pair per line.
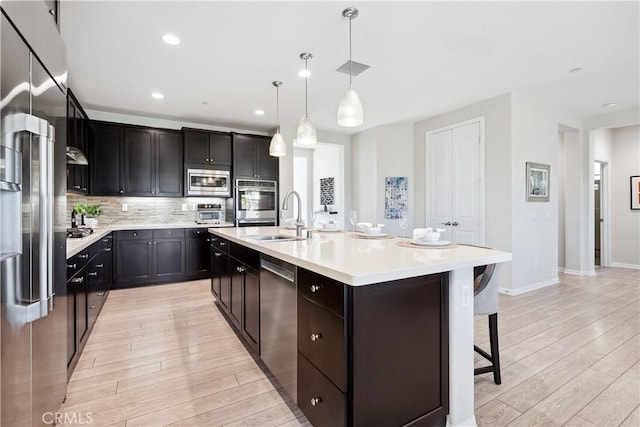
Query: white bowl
x,y
375,229
430,236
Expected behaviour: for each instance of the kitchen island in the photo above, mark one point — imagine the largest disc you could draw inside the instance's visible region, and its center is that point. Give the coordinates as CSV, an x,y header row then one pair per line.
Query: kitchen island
x,y
382,287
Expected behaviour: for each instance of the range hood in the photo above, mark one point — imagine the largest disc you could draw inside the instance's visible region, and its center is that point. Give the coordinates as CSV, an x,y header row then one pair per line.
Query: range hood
x,y
76,157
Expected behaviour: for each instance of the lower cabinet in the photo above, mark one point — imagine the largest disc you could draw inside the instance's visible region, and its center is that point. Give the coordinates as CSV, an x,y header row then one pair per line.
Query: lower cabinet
x,y
404,324
89,280
235,283
149,256
198,253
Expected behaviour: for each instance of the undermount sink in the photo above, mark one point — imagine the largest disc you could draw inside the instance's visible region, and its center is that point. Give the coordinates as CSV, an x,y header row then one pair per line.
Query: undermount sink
x,y
273,238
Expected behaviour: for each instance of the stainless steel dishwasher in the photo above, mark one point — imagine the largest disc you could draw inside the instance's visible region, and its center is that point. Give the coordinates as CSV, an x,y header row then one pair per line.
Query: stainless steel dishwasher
x,y
278,321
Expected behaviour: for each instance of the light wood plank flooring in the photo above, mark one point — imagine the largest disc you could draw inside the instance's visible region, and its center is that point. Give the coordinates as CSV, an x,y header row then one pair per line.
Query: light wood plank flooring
x,y
164,355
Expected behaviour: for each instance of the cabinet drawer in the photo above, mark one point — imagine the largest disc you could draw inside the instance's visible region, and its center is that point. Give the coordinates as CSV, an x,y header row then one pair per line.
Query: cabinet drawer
x,y
135,235
220,243
320,401
322,290
321,340
247,256
168,232
197,232
103,242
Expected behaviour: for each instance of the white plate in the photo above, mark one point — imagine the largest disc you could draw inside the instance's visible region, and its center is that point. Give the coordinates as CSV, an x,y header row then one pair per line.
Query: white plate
x,y
329,230
425,243
372,234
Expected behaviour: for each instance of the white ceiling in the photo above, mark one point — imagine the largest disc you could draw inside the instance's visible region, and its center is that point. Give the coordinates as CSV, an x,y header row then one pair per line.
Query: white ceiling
x,y
426,57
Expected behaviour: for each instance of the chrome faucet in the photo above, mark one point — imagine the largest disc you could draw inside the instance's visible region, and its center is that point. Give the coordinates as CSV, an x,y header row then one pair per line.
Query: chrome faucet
x,y
285,206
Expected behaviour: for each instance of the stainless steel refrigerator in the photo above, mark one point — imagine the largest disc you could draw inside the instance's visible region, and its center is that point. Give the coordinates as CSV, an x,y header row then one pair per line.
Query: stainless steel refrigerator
x,y
33,328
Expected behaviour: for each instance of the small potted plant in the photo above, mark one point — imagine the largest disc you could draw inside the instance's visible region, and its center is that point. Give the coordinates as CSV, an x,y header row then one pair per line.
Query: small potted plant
x,y
93,212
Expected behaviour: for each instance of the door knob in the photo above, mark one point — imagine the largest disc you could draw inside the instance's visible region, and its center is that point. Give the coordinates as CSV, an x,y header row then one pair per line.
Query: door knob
x,y
315,337
455,223
315,401
446,223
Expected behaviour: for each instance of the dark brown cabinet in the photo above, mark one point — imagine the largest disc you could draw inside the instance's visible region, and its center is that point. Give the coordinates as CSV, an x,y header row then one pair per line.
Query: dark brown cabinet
x,y
206,147
135,161
106,148
235,293
149,256
77,136
220,277
403,323
251,158
198,254
152,162
89,280
251,307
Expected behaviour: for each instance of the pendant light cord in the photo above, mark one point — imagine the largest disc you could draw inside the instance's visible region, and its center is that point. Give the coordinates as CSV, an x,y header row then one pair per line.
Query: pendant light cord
x,y
278,107
306,95
350,61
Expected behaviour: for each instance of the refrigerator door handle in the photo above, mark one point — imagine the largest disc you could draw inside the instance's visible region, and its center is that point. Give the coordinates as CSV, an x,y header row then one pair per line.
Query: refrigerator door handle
x,y
41,128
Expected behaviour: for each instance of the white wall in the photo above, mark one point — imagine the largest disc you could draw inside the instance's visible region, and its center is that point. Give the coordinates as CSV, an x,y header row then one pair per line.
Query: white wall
x,y
573,215
364,174
625,162
561,202
601,139
497,180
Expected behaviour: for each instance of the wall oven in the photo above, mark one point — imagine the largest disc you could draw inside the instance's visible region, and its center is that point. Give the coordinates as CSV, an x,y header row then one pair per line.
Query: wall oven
x,y
207,182
256,202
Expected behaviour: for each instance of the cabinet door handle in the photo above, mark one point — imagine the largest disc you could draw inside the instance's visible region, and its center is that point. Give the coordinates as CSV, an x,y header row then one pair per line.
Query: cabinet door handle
x,y
84,188
149,242
78,280
92,307
83,256
105,240
207,240
100,294
241,269
315,337
315,288
315,400
107,249
223,244
455,223
99,265
71,266
155,243
135,234
77,187
93,274
446,223
217,254
121,191
206,160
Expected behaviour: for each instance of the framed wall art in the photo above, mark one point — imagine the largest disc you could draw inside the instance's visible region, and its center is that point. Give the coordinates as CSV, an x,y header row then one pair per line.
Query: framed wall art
x,y
537,182
635,192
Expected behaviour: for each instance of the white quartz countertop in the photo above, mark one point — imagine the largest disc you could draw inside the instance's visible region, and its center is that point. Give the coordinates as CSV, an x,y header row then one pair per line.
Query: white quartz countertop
x,y
354,261
76,245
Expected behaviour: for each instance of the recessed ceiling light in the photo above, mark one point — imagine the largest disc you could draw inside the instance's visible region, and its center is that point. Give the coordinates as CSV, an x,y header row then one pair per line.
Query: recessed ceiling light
x,y
304,73
204,103
259,112
575,70
609,104
170,39
157,95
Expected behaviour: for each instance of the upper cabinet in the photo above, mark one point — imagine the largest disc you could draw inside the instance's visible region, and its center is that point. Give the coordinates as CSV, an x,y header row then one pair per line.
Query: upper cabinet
x,y
106,160
150,163
251,157
77,136
207,147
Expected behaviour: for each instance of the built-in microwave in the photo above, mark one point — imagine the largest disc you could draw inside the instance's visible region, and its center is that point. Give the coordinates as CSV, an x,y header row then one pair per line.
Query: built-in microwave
x,y
206,182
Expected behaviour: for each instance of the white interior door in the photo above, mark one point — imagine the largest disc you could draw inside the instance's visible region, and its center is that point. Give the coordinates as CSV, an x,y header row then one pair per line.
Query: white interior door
x,y
454,158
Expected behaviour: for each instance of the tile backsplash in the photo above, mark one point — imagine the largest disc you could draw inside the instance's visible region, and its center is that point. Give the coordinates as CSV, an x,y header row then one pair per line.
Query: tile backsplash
x,y
147,210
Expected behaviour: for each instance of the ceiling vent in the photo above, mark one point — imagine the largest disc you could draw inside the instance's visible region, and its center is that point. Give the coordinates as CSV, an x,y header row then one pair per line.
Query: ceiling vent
x,y
356,68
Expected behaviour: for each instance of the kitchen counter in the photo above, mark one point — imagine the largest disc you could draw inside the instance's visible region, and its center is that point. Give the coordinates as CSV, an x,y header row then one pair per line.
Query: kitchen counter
x,y
357,262
76,245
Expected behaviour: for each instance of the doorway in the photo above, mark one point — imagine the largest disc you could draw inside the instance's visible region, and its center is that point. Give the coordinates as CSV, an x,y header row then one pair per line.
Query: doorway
x,y
599,209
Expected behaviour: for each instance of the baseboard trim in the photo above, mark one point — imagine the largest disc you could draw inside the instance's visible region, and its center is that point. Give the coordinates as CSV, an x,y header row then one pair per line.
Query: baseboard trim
x,y
624,265
577,272
529,288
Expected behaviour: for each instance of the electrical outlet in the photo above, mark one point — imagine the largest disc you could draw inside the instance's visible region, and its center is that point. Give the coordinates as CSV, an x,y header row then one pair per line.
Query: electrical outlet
x,y
184,206
125,207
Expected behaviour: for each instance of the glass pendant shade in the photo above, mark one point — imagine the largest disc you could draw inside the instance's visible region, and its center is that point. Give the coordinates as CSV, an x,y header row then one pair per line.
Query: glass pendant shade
x,y
306,134
278,147
350,113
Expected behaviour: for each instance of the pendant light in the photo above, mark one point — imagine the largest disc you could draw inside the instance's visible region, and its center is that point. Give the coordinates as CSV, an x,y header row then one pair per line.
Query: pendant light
x,y
350,112
306,134
278,147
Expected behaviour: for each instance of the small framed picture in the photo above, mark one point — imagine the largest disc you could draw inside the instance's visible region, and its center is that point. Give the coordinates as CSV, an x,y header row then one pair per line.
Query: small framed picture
x,y
635,192
537,182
